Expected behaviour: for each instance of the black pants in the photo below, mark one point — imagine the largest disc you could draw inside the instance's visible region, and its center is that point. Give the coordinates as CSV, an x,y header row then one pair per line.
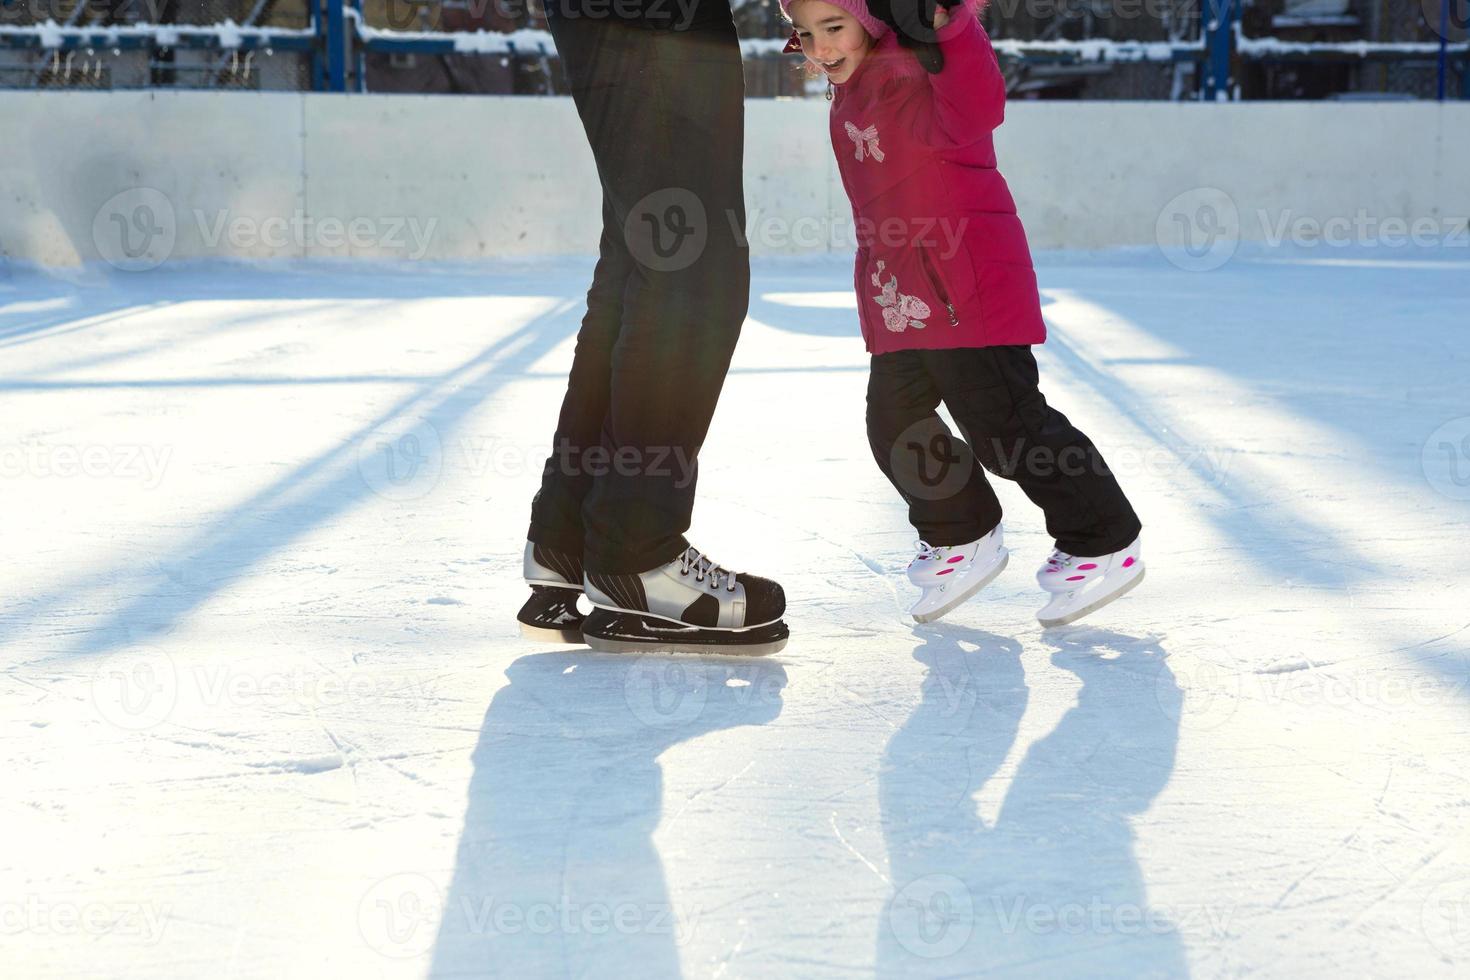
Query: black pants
x,y
664,113
992,394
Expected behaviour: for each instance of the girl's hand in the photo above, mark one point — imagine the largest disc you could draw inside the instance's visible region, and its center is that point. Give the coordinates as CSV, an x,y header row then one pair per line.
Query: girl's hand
x,y
941,17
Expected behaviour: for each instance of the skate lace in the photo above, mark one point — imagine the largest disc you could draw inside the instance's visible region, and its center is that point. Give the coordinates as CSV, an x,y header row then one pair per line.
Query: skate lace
x,y
927,550
705,567
1059,558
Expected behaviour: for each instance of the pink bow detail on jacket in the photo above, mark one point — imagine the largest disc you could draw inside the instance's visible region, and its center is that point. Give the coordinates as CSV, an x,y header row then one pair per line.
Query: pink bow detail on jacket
x,y
865,139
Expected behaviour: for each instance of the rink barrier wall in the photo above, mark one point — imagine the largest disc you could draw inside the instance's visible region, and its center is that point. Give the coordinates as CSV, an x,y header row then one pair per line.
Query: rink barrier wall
x,y
276,175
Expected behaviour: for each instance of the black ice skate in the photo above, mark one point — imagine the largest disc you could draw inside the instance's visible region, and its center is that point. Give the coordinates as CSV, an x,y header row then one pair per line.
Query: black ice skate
x,y
555,578
689,605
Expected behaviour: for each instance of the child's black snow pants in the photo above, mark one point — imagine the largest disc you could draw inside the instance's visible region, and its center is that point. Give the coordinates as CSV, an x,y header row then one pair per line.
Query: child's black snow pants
x,y
992,394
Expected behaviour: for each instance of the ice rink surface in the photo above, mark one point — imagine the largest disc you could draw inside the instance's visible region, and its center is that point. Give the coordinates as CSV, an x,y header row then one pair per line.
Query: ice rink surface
x,y
264,712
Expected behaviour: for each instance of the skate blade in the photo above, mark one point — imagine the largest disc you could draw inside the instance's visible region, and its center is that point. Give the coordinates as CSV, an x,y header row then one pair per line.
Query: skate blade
x,y
1093,607
552,634
640,633
602,645
966,593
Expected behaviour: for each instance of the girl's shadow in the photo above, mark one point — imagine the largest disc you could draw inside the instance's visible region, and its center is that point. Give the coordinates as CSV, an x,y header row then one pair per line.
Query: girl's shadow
x,y
1053,885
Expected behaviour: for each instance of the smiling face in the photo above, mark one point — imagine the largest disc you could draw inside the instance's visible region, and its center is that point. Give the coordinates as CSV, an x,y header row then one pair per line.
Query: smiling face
x,y
831,38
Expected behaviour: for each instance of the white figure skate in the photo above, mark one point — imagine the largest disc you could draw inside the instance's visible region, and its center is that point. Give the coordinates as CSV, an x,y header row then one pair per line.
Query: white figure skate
x,y
1080,586
951,574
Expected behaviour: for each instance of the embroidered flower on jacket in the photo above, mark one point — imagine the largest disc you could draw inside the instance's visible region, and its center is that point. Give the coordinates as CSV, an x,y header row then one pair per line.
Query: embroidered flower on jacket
x,y
865,140
899,311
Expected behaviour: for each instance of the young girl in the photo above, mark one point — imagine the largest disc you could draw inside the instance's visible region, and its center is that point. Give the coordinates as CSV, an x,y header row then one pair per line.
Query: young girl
x,y
948,304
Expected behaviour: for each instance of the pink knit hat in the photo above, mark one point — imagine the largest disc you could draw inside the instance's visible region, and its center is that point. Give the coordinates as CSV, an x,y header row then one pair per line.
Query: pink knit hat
x,y
858,8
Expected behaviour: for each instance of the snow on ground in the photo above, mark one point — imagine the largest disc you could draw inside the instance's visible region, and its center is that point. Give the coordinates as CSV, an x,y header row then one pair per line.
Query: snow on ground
x,y
264,712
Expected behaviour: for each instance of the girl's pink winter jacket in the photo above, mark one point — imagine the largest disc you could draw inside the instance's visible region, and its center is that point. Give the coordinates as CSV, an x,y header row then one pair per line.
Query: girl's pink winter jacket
x,y
942,258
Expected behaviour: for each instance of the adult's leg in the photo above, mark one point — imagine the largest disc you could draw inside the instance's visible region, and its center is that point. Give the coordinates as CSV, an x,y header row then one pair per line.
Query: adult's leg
x,y
556,511
664,114
993,395
950,501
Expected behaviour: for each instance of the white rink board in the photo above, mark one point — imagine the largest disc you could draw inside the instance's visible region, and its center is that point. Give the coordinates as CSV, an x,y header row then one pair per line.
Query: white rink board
x,y
454,178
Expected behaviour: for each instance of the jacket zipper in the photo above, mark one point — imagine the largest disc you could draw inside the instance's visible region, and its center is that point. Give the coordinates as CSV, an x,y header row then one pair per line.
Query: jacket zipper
x,y
936,283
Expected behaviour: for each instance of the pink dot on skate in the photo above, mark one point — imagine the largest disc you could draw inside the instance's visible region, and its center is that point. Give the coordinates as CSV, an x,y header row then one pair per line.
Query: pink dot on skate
x,y
1086,568
1128,562
1075,578
945,572
957,558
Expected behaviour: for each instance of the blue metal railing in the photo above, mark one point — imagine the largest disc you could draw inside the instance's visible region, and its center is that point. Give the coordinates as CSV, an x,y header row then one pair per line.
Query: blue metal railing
x,y
338,40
